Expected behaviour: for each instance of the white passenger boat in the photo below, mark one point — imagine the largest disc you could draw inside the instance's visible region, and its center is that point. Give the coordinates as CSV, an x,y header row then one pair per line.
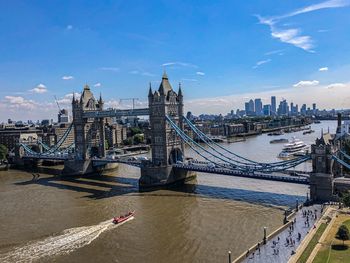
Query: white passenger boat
x,y
295,147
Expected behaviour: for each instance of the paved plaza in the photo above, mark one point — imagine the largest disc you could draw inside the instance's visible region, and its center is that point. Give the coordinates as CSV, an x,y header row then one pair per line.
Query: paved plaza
x,y
280,248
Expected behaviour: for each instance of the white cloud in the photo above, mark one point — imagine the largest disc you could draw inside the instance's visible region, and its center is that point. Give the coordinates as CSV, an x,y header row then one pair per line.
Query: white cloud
x,y
67,77
323,69
41,88
200,73
148,74
178,63
115,69
279,51
66,101
315,7
261,62
306,83
336,85
97,85
19,102
69,27
193,80
293,35
143,73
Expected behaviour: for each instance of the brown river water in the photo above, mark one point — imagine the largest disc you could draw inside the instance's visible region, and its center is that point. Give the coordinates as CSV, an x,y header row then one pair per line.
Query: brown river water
x,y
46,219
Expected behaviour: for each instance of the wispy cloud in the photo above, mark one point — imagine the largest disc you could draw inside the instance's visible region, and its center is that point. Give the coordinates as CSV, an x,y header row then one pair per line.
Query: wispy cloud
x,y
261,62
294,36
69,27
200,73
19,102
115,69
322,30
273,52
142,73
336,85
178,63
306,83
97,85
41,88
323,69
67,77
193,80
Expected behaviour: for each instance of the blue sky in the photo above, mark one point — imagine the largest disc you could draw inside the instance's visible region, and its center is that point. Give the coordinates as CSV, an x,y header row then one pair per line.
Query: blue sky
x,y
221,51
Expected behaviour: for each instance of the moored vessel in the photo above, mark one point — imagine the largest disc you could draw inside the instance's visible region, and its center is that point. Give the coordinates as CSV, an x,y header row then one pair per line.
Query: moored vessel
x,y
295,147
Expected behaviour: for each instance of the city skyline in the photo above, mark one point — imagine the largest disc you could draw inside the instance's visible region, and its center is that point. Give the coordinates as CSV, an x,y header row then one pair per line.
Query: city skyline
x,y
213,54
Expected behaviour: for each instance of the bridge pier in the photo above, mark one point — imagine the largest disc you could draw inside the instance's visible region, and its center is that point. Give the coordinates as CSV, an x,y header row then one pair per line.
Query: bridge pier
x,y
156,176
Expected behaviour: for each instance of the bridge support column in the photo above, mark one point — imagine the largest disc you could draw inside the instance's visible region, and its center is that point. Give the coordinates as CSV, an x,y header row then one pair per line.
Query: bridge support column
x,y
167,146
321,178
157,176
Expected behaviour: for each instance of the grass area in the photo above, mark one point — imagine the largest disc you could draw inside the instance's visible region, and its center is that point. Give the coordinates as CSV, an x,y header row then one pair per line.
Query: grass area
x,y
313,242
332,251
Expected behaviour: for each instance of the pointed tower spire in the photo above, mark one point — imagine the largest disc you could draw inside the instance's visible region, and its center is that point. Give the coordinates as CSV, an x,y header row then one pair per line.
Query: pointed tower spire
x,y
150,90
100,99
180,90
73,99
165,76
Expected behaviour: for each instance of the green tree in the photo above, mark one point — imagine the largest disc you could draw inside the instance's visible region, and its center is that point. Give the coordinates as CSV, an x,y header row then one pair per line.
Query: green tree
x,y
3,152
138,138
346,199
343,233
135,130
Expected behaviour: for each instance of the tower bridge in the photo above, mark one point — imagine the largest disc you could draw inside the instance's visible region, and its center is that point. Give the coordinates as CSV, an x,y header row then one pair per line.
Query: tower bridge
x,y
168,139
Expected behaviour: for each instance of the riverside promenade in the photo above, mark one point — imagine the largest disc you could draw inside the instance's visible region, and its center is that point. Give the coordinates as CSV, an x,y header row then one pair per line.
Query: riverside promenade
x,y
282,244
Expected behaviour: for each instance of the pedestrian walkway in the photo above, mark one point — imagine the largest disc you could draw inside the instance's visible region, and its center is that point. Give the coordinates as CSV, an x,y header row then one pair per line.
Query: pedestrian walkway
x,y
281,247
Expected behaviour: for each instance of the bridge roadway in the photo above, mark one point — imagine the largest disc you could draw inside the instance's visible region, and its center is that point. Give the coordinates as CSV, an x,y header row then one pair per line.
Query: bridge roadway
x,y
194,165
256,175
116,113
48,157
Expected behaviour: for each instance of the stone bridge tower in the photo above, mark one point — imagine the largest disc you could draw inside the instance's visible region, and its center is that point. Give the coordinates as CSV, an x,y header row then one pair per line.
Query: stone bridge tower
x,y
321,178
167,147
89,134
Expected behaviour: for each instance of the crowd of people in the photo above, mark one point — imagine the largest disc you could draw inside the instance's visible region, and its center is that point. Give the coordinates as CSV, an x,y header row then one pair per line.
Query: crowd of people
x,y
291,236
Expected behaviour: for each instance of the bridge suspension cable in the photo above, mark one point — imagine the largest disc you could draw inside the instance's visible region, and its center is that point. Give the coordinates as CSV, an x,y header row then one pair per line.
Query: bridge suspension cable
x,y
210,142
228,164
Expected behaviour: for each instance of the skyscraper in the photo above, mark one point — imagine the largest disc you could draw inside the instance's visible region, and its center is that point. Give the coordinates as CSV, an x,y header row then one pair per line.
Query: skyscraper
x,y
249,108
267,110
283,108
273,105
258,107
303,109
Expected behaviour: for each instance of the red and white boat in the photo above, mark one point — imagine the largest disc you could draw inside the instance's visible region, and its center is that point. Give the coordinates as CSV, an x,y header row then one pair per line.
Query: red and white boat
x,y
122,218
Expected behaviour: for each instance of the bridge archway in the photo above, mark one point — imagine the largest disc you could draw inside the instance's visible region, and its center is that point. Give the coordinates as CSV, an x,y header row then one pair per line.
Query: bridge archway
x,y
94,151
175,156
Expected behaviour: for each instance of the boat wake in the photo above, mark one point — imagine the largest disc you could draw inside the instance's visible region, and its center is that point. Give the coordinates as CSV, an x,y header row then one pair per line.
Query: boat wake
x,y
70,240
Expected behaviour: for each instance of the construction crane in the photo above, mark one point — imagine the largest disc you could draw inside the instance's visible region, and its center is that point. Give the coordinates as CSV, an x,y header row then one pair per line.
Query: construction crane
x,y
133,101
58,105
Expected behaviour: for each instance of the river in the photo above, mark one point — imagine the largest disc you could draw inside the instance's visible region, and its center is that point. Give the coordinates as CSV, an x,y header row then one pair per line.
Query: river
x,y
45,219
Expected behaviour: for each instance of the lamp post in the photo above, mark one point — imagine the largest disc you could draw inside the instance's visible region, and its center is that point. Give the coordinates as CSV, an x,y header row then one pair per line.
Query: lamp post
x,y
285,221
297,206
264,239
229,257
